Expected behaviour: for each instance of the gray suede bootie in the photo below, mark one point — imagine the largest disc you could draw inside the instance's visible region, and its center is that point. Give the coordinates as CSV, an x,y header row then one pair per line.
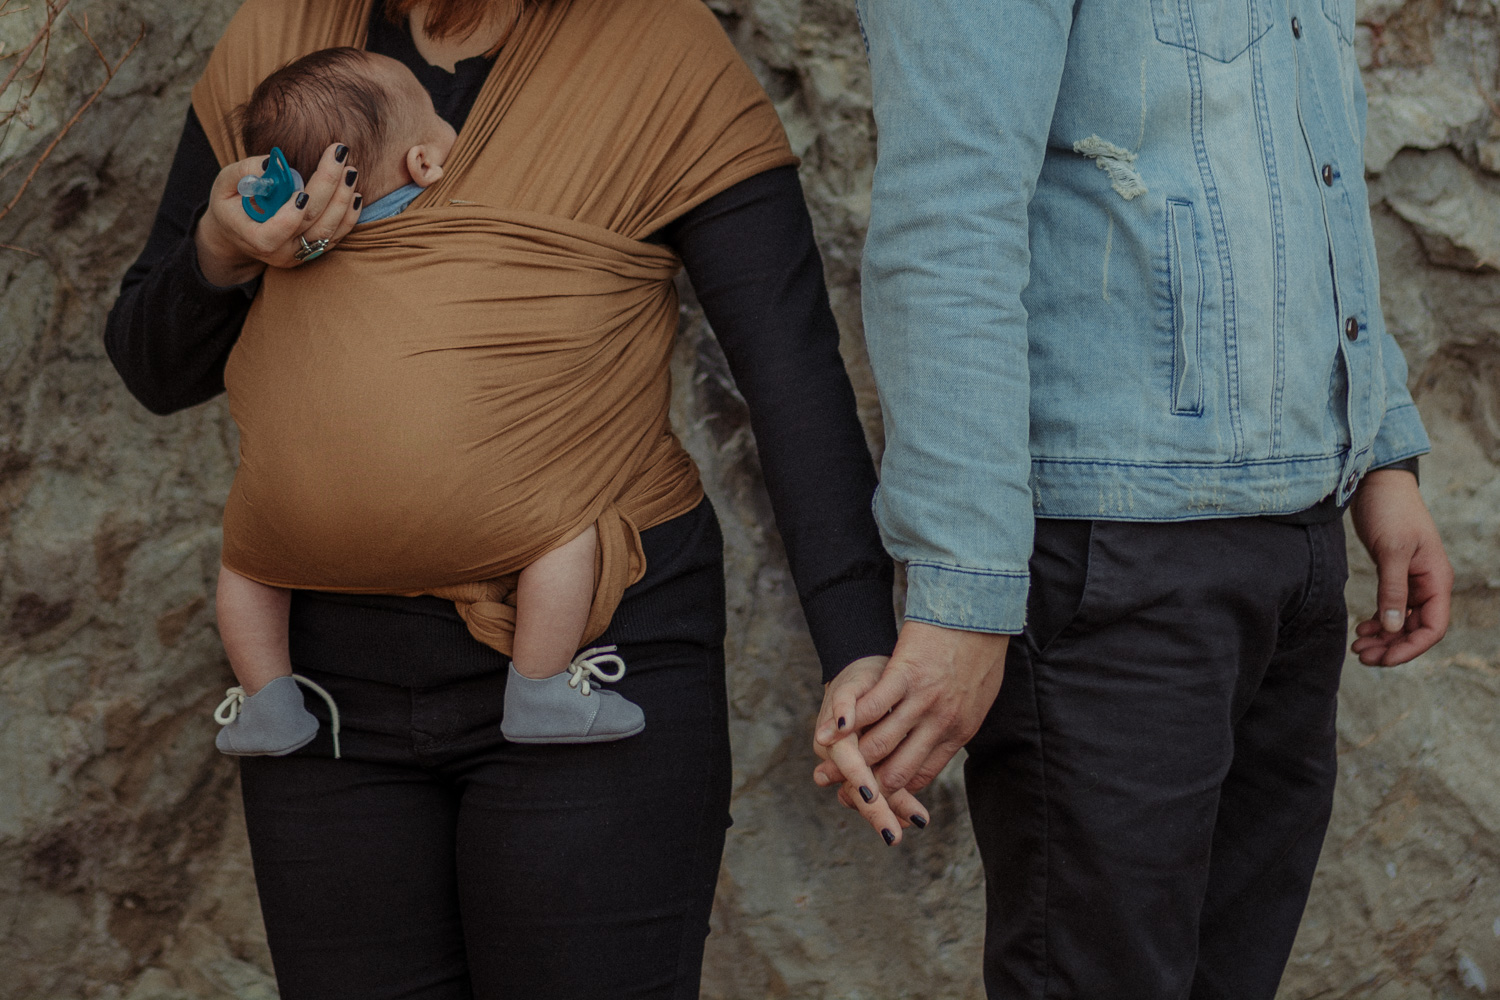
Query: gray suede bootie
x,y
568,707
272,722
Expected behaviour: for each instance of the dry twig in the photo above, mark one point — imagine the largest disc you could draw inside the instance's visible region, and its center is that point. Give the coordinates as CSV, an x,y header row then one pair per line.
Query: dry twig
x,y
43,39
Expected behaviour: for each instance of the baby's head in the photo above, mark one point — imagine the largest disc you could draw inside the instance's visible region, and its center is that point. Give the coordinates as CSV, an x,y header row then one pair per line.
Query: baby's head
x,y
370,103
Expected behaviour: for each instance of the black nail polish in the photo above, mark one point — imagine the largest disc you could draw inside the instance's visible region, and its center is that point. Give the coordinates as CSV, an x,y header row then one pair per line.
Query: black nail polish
x,y
349,177
890,838
918,822
265,164
842,723
341,153
302,200
866,794
359,200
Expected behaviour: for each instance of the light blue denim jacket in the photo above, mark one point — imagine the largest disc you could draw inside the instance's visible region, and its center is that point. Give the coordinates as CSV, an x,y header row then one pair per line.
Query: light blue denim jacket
x,y
1119,266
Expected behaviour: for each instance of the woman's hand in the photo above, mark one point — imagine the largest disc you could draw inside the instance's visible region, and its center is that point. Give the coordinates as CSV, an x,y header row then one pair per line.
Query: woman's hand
x,y
837,741
233,248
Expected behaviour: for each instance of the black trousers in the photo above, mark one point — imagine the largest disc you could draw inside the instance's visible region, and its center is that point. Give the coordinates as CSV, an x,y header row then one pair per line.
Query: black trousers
x,y
1151,788
435,861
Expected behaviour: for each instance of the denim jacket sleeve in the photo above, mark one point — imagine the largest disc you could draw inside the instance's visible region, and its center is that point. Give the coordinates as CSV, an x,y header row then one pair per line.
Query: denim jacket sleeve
x,y
964,95
1401,435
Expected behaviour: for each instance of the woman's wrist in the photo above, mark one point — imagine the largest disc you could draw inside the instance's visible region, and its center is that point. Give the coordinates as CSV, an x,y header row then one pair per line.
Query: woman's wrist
x,y
218,261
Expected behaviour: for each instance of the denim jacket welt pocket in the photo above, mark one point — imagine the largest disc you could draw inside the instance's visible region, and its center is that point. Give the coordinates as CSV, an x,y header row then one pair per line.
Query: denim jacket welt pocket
x,y
1219,29
1184,295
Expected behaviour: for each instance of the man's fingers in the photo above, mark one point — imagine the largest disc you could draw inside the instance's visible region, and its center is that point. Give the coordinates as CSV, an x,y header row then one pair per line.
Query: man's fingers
x,y
880,699
895,730
1424,627
1390,595
870,802
1429,587
918,759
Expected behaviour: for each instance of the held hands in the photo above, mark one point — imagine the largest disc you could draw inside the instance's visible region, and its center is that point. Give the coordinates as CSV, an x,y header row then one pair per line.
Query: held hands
x,y
889,727
233,248
1416,579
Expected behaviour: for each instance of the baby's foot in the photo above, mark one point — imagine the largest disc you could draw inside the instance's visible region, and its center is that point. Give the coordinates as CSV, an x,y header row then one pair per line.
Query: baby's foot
x,y
272,722
567,707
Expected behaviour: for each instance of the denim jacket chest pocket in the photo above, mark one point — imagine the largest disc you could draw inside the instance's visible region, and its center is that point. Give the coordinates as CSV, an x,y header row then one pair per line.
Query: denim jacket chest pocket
x,y
1219,29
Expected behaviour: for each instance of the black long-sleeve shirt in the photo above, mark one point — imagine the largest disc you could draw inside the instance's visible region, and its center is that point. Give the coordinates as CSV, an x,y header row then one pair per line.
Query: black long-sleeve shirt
x,y
754,264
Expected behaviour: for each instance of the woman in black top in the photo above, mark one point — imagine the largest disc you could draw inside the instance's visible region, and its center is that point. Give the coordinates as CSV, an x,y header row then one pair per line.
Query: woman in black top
x,y
435,859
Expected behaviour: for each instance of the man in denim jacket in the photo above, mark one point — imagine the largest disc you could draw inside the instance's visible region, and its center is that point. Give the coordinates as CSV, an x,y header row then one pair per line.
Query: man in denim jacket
x,y
1122,305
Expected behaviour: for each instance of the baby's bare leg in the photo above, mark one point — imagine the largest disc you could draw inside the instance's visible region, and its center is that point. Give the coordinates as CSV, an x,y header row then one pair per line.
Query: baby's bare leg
x,y
253,625
270,718
553,598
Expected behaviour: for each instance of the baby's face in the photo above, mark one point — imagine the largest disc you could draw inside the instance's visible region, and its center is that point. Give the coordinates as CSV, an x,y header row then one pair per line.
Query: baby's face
x,y
418,140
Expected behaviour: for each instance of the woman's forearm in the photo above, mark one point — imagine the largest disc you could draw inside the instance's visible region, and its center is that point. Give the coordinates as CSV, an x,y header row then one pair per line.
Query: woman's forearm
x,y
172,327
755,266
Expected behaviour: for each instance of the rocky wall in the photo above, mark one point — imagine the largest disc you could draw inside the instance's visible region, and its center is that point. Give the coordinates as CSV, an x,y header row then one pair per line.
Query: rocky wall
x,y
123,868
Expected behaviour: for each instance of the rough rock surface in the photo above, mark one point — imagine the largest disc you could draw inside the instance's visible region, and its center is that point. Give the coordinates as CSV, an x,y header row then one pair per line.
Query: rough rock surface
x,y
123,868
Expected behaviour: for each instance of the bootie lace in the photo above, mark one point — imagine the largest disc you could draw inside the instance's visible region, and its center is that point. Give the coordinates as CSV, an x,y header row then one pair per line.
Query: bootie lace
x,y
235,698
588,664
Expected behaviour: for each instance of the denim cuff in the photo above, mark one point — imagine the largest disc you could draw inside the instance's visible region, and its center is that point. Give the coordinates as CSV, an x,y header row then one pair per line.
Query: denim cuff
x,y
974,600
1401,436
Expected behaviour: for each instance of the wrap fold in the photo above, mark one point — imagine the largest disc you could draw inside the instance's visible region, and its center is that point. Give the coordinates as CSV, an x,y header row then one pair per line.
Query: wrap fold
x,y
465,386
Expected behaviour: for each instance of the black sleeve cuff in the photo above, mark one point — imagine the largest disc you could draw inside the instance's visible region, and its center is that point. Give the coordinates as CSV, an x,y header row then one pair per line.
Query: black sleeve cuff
x,y
851,619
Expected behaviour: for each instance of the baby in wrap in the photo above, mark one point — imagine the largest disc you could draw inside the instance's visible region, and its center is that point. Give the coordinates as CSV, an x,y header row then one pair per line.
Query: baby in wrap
x,y
376,106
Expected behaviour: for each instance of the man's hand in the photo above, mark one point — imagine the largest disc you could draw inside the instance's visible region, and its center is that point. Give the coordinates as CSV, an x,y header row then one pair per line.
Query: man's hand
x,y
1416,579
930,699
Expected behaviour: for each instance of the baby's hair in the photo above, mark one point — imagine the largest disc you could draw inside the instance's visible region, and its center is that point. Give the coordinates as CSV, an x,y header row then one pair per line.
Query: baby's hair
x,y
324,97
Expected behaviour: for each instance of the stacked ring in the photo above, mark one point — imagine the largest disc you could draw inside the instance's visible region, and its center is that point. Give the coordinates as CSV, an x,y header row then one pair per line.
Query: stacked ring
x,y
311,251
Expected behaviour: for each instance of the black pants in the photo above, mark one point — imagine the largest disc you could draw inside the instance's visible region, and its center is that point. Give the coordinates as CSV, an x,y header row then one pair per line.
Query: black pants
x,y
1151,789
436,861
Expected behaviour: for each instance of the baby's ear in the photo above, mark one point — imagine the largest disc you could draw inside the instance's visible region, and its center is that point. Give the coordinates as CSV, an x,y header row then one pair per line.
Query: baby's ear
x,y
423,166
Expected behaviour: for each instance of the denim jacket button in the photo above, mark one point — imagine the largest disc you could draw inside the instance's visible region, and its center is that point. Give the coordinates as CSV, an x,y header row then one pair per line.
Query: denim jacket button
x,y
1351,327
1328,174
1296,28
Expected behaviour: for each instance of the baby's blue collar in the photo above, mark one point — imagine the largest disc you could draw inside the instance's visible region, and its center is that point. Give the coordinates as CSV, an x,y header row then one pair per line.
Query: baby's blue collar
x,y
392,204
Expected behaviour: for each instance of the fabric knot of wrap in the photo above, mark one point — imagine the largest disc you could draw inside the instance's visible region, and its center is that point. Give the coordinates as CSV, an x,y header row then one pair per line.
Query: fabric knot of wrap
x,y
469,384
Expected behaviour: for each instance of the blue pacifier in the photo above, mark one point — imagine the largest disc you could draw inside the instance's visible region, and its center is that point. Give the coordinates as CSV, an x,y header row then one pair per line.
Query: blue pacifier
x,y
262,196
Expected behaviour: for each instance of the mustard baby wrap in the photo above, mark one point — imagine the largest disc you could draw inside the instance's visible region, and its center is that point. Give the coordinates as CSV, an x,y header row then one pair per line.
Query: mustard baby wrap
x,y
465,386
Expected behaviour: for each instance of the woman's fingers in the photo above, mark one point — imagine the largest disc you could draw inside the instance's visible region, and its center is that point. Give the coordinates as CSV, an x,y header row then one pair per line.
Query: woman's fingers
x,y
232,247
324,209
827,774
907,809
326,205
863,791
836,718
329,187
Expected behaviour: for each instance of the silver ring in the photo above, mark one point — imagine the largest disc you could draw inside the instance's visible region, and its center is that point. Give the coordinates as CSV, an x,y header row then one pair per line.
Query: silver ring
x,y
311,251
